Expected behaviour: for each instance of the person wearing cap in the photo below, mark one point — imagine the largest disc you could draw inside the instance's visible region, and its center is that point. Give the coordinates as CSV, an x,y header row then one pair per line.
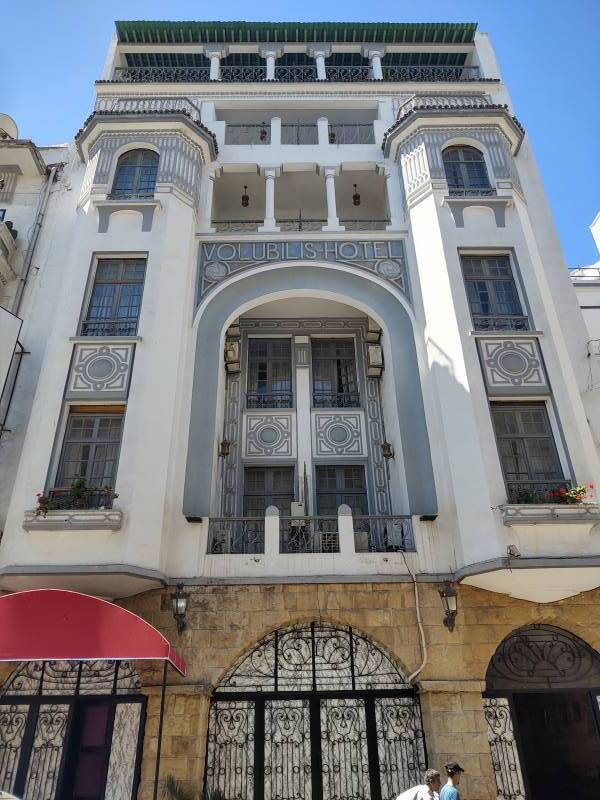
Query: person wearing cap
x,y
450,790
428,790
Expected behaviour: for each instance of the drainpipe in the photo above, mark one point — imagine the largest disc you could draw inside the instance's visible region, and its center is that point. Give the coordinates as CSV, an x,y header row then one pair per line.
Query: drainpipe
x,y
39,220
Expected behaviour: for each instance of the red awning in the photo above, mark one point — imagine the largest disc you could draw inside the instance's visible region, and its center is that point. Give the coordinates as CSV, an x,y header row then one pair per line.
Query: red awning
x,y
57,625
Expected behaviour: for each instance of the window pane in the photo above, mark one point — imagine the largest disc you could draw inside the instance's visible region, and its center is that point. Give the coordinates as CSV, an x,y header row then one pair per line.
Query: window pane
x,y
526,444
90,450
116,296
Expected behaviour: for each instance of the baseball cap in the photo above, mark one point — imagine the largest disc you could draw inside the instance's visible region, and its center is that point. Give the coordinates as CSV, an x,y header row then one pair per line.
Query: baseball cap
x,y
453,767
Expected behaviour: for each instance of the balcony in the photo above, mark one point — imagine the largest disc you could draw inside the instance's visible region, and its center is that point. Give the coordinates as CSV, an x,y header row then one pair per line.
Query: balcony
x,y
340,73
109,327
334,535
534,492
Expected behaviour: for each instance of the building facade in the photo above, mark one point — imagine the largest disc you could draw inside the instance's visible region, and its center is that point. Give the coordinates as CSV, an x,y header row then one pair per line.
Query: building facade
x,y
298,335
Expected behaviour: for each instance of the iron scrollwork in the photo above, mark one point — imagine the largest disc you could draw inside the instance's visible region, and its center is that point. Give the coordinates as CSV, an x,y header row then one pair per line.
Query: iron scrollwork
x,y
505,757
543,656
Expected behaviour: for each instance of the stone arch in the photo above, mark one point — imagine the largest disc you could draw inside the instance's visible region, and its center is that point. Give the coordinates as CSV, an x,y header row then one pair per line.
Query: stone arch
x,y
264,284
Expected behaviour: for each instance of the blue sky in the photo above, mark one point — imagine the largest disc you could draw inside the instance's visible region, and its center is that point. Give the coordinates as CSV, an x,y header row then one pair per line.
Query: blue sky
x,y
53,50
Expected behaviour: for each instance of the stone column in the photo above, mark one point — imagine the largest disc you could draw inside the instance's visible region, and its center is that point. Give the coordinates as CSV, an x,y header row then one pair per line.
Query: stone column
x,y
276,130
333,222
270,224
270,56
271,535
346,531
375,57
303,417
394,197
323,130
215,55
320,54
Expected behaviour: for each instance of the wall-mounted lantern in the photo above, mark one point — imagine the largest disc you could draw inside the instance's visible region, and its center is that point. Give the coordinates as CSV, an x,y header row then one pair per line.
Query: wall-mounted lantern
x,y
245,198
356,196
179,604
374,361
449,598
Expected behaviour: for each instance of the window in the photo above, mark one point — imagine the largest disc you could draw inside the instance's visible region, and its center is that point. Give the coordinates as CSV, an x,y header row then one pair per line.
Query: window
x,y
339,485
89,458
492,293
268,486
269,373
465,170
335,384
116,297
135,175
528,454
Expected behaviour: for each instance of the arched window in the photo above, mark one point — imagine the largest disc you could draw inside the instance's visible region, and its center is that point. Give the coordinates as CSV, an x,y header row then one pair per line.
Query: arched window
x,y
135,175
314,712
466,171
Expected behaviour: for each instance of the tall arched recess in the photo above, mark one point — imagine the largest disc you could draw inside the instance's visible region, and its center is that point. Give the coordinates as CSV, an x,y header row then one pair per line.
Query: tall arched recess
x,y
346,287
314,712
542,707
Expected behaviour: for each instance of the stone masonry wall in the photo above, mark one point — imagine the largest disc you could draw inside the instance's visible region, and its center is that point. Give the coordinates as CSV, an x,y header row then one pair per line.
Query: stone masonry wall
x,y
225,621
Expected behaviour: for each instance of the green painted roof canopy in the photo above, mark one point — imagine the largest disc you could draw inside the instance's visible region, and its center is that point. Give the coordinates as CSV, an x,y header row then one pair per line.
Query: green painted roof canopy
x,y
146,32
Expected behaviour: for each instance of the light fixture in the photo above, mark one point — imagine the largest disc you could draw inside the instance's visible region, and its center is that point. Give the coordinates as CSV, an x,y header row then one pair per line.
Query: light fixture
x,y
373,333
179,604
387,451
245,198
224,448
449,597
356,196
263,133
512,551
332,137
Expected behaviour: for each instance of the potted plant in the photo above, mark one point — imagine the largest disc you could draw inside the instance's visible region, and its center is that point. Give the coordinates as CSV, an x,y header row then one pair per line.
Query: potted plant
x,y
573,496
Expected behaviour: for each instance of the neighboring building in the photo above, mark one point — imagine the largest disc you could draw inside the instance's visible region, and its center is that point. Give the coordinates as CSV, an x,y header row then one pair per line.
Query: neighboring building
x,y
301,337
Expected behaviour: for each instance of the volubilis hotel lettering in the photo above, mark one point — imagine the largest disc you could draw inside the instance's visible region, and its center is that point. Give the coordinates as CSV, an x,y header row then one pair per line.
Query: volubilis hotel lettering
x,y
218,260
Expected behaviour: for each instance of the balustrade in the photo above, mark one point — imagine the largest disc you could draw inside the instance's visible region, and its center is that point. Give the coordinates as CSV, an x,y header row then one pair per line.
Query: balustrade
x,y
292,74
351,134
248,134
296,133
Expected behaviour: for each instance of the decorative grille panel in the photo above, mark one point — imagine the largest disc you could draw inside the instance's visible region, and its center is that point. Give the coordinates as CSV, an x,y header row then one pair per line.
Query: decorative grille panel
x,y
12,727
505,757
344,750
46,754
230,753
123,752
287,750
400,744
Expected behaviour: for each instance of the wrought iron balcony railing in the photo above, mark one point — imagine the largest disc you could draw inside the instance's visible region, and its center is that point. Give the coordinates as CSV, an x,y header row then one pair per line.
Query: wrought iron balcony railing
x,y
301,224
309,535
109,327
336,399
161,74
243,74
68,499
365,224
248,134
296,133
383,534
295,74
526,492
148,105
271,400
237,225
351,134
236,535
508,322
421,74
348,73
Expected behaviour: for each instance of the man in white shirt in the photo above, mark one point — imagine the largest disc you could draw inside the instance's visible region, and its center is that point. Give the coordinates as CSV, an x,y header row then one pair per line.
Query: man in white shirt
x,y
426,791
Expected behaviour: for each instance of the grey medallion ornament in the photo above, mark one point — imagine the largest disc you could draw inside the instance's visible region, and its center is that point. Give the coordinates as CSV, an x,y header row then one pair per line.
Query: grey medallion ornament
x,y
513,366
268,435
100,371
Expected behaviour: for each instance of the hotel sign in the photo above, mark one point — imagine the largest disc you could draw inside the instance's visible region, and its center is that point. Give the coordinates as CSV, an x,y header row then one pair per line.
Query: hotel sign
x,y
218,260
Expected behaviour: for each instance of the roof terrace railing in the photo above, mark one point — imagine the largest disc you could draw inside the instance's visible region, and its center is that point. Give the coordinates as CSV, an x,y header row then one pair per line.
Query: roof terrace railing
x,y
350,73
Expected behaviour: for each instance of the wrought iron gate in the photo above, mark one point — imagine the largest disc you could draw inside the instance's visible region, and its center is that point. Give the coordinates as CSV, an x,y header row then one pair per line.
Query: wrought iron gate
x,y
37,708
538,659
314,712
